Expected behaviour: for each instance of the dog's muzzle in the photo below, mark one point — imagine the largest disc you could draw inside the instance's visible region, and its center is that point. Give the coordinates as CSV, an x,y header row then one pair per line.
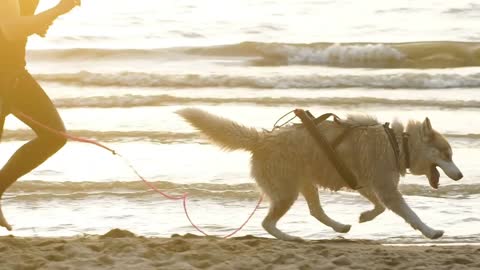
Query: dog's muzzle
x,y
451,170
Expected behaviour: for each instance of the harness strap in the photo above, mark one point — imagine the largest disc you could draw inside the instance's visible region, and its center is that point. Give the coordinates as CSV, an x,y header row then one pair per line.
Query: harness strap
x,y
406,150
336,119
341,137
332,155
393,143
396,148
323,117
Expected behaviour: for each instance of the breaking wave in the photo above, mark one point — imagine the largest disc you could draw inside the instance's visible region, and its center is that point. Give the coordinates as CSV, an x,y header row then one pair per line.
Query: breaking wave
x,y
128,101
311,81
435,54
96,53
41,190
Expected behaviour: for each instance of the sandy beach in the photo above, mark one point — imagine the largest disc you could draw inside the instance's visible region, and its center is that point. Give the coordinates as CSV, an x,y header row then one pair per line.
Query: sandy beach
x,y
120,249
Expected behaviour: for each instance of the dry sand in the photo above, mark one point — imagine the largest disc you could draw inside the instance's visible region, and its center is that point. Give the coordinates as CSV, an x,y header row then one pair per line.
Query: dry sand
x,y
120,249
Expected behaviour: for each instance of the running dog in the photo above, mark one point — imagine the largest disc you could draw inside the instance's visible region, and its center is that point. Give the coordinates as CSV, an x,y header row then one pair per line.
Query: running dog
x,y
287,161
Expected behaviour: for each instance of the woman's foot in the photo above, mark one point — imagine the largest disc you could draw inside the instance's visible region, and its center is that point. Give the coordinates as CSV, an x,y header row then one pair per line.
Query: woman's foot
x,y
3,221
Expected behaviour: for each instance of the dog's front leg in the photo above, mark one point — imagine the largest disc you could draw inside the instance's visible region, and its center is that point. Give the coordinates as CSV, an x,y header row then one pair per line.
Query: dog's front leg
x,y
393,200
378,206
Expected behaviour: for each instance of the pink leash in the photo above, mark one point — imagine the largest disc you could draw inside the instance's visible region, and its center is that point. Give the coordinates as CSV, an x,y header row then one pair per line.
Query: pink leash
x,y
149,184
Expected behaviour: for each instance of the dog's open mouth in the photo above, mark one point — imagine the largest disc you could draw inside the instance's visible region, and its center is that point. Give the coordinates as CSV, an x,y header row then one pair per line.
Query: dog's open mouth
x,y
434,176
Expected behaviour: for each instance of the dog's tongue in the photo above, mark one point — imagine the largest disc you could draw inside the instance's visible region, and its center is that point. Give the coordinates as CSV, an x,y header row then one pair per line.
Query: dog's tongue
x,y
434,177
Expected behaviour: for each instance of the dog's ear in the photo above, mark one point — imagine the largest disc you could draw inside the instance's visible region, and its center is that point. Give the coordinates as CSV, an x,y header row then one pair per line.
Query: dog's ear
x,y
427,130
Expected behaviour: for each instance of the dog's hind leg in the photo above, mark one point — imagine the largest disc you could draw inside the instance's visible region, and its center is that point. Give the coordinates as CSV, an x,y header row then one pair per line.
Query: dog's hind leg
x,y
378,206
278,208
393,200
310,192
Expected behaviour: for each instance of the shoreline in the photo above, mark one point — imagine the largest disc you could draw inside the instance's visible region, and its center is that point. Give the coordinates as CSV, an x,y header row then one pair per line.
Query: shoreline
x,y
121,249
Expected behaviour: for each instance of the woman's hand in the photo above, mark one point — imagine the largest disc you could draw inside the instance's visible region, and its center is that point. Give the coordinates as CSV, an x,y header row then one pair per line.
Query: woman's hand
x,y
66,5
63,7
15,27
42,30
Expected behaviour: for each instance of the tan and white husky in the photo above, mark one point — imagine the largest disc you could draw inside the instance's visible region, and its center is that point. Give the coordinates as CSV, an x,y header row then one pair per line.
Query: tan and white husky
x,y
288,161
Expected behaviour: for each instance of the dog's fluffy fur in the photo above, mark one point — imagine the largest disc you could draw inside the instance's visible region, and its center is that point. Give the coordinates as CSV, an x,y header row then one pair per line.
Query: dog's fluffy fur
x,y
288,161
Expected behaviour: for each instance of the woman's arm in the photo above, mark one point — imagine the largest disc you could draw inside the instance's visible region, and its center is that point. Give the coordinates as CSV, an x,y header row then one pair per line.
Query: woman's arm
x,y
13,26
28,7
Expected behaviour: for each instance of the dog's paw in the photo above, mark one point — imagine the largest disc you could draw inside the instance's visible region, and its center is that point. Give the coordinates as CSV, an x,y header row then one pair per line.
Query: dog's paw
x,y
435,234
365,216
370,215
343,228
292,238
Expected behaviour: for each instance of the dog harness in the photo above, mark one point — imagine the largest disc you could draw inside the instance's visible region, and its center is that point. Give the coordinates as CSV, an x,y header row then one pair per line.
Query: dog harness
x,y
405,149
396,148
310,123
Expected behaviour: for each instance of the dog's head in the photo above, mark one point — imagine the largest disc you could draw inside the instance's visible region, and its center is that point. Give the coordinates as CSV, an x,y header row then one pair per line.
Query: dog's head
x,y
430,149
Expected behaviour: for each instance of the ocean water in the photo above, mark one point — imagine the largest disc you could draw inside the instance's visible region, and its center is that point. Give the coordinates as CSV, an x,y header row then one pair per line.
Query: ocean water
x,y
118,70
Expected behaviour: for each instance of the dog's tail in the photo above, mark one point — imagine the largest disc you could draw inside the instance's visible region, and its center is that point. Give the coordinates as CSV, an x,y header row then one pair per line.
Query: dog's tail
x,y
225,133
